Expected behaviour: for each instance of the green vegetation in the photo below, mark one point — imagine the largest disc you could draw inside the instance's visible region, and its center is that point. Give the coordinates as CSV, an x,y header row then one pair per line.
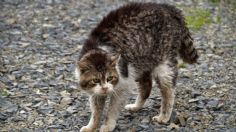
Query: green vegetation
x,y
229,3
4,92
233,4
215,2
196,18
182,65
218,19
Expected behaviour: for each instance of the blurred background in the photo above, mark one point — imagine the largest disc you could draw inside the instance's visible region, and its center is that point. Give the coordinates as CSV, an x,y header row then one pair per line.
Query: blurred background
x,y
41,39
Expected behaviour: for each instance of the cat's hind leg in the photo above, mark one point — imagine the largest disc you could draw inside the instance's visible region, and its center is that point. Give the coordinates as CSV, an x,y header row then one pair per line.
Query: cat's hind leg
x,y
165,75
145,86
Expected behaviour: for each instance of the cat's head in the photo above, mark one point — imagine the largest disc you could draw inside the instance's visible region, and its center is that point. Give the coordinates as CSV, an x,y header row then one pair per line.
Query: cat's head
x,y
97,72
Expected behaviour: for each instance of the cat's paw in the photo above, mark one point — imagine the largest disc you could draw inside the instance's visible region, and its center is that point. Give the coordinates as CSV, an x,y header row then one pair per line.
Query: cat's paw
x,y
161,119
86,129
132,107
107,128
104,128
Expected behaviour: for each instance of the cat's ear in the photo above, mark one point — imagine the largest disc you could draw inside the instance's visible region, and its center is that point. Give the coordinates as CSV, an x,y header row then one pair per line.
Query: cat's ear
x,y
115,59
83,66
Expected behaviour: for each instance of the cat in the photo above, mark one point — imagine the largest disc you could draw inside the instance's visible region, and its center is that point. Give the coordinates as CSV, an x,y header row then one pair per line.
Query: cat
x,y
132,46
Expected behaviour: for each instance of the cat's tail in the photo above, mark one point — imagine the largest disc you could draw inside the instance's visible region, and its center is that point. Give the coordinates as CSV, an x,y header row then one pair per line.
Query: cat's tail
x,y
187,50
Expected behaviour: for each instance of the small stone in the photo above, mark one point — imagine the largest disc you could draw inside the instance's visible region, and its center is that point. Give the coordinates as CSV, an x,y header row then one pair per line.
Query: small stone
x,y
71,109
45,36
38,123
173,126
45,110
143,126
193,100
213,104
58,126
195,93
65,93
220,105
51,103
48,25
213,86
64,102
49,1
3,117
145,120
132,130
186,73
200,105
11,21
7,106
182,120
24,44
51,120
173,117
22,112
189,120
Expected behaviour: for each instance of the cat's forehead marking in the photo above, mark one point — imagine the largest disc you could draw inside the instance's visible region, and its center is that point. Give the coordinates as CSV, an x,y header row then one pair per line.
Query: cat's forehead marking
x,y
101,68
98,60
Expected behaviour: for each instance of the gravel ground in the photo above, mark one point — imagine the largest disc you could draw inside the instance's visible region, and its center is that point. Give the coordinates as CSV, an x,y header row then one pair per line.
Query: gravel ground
x,y
40,41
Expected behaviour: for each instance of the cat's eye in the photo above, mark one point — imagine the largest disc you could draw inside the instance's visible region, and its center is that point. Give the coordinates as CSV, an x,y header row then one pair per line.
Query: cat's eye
x,y
95,80
110,78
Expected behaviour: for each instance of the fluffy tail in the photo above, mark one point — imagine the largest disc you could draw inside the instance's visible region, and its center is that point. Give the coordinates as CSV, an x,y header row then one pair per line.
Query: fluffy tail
x,y
187,50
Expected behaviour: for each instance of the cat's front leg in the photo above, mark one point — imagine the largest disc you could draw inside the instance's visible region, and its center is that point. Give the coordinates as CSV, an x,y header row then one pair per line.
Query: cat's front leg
x,y
116,104
108,127
96,105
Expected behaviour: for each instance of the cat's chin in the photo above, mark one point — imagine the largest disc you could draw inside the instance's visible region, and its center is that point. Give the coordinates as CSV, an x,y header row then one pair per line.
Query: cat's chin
x,y
103,94
99,94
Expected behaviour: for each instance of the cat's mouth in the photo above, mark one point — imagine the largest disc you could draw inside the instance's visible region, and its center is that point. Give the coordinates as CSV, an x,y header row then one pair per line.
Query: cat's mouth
x,y
104,93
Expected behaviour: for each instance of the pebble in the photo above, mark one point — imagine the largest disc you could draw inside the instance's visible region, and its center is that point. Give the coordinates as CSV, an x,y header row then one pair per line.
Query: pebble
x,y
145,120
173,117
71,109
200,105
193,100
195,93
213,104
173,126
182,120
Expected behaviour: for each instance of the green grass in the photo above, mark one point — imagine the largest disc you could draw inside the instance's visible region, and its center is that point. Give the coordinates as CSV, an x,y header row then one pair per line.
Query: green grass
x,y
182,65
4,92
215,2
233,4
196,18
218,19
230,3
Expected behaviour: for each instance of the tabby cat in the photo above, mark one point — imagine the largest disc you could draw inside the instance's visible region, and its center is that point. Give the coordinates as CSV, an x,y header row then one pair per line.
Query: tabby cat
x,y
132,46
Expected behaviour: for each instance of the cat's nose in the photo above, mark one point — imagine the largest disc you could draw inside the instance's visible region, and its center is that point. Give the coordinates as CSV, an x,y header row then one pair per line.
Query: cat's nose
x,y
104,88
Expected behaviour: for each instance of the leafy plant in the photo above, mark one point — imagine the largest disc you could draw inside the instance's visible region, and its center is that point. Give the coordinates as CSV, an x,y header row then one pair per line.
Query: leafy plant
x,y
196,18
4,92
182,65
215,2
